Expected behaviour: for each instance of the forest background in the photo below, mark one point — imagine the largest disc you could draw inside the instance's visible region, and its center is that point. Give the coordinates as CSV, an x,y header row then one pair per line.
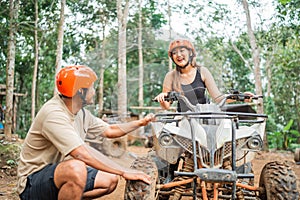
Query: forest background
x,y
126,43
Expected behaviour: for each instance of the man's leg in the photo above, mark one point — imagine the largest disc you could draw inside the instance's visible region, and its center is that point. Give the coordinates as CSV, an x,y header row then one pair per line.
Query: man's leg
x,y
40,185
104,184
70,178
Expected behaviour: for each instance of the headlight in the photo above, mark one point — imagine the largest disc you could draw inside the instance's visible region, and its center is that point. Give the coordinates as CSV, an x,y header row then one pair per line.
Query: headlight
x,y
165,139
255,143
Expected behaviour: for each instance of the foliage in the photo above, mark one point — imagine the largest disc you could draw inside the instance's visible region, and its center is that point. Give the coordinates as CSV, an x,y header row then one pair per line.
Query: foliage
x,y
285,77
9,153
226,65
285,137
4,11
89,23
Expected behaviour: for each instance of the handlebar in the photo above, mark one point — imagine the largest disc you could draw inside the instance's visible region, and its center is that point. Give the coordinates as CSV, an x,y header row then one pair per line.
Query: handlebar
x,y
237,96
175,96
234,95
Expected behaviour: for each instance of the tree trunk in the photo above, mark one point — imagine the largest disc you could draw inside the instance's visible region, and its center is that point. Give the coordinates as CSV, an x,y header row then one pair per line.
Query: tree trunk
x,y
101,75
141,64
255,56
122,86
36,61
256,63
10,68
269,79
60,38
170,32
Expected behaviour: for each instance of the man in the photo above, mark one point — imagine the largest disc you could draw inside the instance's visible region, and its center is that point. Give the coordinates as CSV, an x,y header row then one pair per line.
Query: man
x,y
55,163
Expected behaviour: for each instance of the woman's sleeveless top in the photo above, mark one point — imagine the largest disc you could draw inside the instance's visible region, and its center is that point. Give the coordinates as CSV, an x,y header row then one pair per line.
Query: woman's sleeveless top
x,y
195,93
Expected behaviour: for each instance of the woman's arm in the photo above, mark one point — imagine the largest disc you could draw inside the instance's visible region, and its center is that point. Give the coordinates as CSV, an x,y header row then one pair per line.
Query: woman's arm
x,y
211,85
167,87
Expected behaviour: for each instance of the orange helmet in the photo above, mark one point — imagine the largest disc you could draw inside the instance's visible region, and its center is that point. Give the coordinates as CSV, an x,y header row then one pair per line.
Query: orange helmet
x,y
181,43
71,78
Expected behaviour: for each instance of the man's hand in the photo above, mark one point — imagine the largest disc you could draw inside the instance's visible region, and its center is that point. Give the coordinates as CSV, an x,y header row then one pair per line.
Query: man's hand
x,y
149,118
137,175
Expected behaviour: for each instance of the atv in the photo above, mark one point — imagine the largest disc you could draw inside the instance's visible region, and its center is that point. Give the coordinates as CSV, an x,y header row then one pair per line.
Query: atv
x,y
206,153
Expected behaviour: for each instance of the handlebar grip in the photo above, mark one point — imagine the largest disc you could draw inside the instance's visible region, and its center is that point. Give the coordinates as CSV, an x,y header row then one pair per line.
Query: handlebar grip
x,y
242,97
171,96
166,99
257,97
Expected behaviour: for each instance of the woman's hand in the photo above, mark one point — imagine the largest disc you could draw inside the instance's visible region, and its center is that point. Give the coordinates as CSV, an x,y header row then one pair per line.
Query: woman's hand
x,y
161,97
249,96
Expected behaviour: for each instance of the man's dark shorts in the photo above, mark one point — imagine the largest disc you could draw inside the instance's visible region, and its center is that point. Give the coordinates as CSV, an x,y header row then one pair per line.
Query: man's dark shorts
x,y
40,185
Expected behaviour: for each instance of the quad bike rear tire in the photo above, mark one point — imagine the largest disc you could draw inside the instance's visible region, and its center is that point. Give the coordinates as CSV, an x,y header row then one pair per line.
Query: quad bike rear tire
x,y
297,155
114,147
138,190
279,182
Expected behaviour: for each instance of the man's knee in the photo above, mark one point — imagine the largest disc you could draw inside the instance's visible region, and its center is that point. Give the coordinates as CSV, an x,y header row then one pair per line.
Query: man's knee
x,y
76,167
114,179
107,182
104,184
71,171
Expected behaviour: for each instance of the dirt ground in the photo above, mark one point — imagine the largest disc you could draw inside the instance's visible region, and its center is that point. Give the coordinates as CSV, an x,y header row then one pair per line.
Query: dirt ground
x,y
8,178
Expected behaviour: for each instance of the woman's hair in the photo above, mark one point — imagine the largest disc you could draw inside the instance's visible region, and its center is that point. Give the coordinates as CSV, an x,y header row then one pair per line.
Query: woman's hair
x,y
176,84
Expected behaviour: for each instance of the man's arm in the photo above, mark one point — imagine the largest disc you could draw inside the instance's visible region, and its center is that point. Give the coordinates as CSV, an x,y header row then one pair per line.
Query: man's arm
x,y
119,130
99,161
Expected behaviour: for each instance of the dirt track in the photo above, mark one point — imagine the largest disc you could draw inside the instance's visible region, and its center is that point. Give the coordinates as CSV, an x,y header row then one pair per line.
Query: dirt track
x,y
7,183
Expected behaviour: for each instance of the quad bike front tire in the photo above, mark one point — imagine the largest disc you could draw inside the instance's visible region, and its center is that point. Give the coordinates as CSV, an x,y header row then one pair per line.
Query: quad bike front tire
x,y
138,190
278,181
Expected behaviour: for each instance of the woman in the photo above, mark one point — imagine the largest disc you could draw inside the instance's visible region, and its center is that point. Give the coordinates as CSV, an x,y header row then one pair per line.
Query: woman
x,y
187,77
